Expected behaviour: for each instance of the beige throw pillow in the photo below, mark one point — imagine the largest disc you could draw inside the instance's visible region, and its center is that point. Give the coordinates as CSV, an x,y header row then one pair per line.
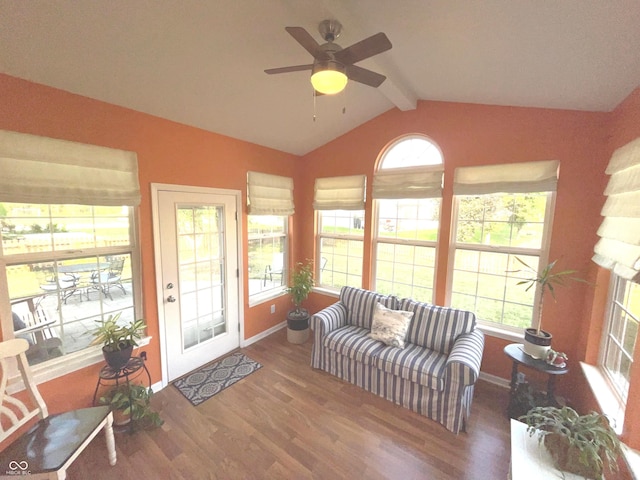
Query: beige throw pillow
x,y
390,326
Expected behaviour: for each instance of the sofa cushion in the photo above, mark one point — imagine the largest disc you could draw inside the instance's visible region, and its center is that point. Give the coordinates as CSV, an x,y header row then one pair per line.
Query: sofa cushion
x,y
434,327
353,342
361,303
414,363
390,326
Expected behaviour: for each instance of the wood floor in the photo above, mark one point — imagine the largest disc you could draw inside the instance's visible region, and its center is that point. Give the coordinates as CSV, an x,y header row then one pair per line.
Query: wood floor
x,y
287,421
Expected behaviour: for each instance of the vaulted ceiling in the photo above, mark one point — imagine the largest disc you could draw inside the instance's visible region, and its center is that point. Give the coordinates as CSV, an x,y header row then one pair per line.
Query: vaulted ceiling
x,y
202,62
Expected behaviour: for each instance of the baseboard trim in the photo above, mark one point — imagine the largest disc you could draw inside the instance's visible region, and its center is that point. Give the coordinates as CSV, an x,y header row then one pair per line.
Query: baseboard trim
x,y
495,380
262,335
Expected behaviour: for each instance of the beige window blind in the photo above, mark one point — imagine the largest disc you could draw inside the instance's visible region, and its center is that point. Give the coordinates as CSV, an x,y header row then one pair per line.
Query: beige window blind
x,y
619,246
340,193
45,170
525,177
421,182
269,194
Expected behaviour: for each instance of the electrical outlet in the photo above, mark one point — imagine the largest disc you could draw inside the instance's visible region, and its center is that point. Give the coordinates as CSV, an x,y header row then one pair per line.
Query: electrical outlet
x,y
273,308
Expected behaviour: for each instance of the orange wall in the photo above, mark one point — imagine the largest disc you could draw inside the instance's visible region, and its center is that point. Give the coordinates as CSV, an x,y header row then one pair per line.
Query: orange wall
x,y
467,134
168,152
481,135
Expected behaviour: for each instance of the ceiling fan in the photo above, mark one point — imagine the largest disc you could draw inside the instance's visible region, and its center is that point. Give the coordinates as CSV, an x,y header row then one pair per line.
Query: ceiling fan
x,y
333,65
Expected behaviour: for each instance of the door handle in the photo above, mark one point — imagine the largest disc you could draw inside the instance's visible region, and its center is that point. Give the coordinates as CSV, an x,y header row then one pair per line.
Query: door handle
x,y
171,299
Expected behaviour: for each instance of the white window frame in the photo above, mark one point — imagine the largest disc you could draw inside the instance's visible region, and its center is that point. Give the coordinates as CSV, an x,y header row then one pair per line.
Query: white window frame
x,y
319,267
377,240
423,177
271,293
617,287
63,365
498,329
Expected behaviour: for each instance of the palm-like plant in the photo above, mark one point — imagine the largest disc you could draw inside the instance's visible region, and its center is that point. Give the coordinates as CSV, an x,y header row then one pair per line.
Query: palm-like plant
x,y
548,281
301,284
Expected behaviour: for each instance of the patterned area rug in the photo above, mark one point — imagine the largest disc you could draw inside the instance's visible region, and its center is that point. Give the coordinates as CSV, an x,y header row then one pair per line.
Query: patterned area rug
x,y
211,379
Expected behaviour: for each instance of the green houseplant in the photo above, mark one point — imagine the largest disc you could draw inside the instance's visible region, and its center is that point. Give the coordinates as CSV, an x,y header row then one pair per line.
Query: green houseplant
x,y
537,341
117,340
581,444
132,402
299,289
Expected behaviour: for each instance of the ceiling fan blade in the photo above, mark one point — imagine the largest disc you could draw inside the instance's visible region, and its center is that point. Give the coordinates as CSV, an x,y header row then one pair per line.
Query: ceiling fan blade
x,y
362,75
295,68
307,41
366,48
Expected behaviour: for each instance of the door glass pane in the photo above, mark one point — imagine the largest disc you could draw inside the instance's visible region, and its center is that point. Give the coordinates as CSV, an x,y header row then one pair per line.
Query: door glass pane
x,y
200,257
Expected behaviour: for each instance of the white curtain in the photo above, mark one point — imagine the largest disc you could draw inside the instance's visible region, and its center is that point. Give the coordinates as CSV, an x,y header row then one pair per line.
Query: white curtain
x,y
408,183
619,246
38,169
340,193
523,177
269,194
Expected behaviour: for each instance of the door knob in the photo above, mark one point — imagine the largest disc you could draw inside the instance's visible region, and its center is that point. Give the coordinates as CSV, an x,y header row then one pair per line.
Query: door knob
x,y
171,299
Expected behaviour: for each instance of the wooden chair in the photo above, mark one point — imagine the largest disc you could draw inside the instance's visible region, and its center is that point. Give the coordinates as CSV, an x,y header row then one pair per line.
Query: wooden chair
x,y
49,447
33,323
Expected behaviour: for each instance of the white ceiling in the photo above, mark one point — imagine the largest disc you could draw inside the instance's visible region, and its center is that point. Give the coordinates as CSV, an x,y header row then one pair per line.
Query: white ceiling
x,y
201,62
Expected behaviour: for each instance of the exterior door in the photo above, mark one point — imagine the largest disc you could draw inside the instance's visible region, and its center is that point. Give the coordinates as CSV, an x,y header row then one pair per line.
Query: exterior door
x,y
199,269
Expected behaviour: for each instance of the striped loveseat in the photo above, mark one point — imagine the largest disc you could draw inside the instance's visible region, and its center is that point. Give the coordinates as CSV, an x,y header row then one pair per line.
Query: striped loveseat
x,y
433,375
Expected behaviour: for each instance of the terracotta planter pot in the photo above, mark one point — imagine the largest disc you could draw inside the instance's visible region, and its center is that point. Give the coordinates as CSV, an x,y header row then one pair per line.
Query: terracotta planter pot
x,y
535,345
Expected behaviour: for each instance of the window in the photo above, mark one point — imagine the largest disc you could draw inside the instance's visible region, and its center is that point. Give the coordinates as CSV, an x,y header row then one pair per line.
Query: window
x,y
267,254
407,190
621,333
66,267
340,248
490,232
339,202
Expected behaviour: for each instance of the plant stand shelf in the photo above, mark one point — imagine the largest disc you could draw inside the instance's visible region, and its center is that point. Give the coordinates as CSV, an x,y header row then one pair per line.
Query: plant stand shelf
x,y
134,368
516,353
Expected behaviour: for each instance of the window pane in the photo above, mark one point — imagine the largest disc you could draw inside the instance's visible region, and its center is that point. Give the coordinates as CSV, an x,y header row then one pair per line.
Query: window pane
x,y
30,228
621,335
55,304
340,263
267,253
411,152
490,232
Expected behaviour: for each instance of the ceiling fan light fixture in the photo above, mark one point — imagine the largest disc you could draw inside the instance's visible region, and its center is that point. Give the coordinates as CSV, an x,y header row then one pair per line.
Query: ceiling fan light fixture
x,y
329,77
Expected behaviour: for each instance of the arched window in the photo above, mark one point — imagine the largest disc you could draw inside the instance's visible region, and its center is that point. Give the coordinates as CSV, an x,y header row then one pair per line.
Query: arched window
x,y
407,190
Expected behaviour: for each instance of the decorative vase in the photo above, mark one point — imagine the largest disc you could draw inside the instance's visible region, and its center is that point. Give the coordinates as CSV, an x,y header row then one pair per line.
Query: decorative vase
x,y
536,345
297,326
117,359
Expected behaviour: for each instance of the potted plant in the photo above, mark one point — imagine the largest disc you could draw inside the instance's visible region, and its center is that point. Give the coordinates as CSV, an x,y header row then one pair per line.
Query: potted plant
x,y
536,340
581,444
298,318
118,340
132,402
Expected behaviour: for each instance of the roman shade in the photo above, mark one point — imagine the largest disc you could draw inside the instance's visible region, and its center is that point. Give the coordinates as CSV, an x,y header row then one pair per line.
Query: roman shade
x,y
45,170
269,194
526,177
340,193
619,246
422,182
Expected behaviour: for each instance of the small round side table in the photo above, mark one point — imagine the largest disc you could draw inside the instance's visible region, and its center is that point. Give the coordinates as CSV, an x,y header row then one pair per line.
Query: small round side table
x,y
516,353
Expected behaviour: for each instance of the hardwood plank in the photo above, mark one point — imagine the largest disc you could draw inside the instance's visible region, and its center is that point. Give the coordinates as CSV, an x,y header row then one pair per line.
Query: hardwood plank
x,y
289,421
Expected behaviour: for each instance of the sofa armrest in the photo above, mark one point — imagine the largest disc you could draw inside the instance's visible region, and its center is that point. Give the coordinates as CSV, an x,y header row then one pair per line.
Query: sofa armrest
x,y
466,356
329,319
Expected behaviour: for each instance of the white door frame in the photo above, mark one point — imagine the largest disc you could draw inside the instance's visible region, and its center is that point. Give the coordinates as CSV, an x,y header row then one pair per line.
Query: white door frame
x,y
164,187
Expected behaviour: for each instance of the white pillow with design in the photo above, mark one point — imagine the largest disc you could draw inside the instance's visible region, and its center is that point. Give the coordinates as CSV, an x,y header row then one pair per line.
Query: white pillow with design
x,y
390,326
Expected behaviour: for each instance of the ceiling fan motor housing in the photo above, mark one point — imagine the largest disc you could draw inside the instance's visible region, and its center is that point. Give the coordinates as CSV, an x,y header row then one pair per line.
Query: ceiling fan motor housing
x,y
330,29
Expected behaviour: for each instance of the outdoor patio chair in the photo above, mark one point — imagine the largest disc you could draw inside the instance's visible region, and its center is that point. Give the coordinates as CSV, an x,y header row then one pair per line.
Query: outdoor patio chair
x,y
112,277
66,284
37,327
275,268
51,445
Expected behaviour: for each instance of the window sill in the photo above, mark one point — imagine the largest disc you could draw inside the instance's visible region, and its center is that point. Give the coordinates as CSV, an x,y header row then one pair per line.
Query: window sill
x,y
260,298
326,291
496,332
607,400
632,457
58,367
